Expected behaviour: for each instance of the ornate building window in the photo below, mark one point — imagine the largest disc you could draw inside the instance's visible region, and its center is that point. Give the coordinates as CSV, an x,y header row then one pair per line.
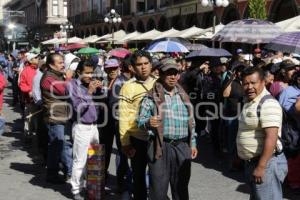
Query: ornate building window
x,y
55,7
65,8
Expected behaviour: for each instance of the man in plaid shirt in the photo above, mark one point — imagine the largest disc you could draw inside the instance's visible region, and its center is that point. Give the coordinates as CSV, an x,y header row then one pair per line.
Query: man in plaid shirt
x,y
167,114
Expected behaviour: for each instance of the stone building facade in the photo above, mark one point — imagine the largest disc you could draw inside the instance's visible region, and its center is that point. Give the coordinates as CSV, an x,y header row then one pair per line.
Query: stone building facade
x,y
42,17
144,15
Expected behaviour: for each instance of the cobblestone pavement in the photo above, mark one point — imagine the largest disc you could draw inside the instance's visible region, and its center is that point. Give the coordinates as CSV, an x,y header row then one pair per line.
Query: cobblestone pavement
x,y
22,175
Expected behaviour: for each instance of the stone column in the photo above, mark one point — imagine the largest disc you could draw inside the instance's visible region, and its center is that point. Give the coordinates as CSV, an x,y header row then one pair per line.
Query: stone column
x,y
158,3
133,6
49,8
61,8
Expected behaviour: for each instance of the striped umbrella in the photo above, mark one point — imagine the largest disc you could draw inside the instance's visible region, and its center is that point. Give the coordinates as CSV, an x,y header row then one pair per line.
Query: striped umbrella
x,y
287,42
251,31
167,47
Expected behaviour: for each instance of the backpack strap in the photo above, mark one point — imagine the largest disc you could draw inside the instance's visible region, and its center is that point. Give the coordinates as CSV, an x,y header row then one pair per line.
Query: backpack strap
x,y
261,102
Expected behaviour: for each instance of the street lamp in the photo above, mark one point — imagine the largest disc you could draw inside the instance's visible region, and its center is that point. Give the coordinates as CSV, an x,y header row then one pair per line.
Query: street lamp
x,y
113,18
68,28
214,4
12,27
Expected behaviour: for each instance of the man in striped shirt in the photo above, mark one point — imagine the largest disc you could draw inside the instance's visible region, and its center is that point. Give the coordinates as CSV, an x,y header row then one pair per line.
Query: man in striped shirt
x,y
167,114
257,139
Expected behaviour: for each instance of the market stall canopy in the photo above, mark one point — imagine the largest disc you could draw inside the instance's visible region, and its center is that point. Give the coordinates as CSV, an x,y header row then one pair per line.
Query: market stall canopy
x,y
76,40
167,33
251,31
188,33
51,41
71,40
290,25
127,37
108,37
208,33
150,35
91,39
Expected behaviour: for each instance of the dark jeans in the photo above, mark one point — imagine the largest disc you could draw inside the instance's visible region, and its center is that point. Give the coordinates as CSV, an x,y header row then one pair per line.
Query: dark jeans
x,y
107,138
15,90
42,135
215,136
107,134
232,129
173,167
122,167
139,164
58,150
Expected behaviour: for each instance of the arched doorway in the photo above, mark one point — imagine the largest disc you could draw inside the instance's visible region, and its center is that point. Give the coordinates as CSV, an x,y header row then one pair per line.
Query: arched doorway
x,y
99,31
130,27
282,10
231,13
151,25
82,35
140,27
122,27
93,31
177,22
208,19
106,30
87,33
191,20
163,24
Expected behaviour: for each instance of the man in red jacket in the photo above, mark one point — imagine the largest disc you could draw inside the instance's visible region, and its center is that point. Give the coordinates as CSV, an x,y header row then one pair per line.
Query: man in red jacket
x,y
25,85
3,84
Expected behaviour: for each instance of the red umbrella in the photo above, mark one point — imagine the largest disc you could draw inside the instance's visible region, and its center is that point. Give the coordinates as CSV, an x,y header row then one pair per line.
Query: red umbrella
x,y
119,52
75,46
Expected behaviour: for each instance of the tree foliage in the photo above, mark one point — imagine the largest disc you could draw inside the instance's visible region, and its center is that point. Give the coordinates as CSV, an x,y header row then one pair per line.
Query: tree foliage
x,y
257,9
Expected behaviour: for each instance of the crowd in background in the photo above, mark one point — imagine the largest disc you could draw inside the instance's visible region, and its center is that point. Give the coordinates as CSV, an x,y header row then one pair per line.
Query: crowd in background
x,y
54,88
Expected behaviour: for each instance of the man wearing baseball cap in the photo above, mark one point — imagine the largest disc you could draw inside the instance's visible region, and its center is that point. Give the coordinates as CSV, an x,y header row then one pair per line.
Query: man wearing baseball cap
x,y
167,114
112,69
25,85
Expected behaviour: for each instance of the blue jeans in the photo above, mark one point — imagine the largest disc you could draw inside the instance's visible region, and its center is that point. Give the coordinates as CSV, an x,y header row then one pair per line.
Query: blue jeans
x,y
59,150
271,188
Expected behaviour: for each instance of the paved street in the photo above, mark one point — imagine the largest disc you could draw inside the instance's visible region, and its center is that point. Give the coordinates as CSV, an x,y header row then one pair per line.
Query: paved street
x,y
23,177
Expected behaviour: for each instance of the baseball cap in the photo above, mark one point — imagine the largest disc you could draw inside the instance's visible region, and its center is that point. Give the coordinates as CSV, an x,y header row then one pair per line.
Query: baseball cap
x,y
257,50
31,56
238,51
167,64
110,63
287,65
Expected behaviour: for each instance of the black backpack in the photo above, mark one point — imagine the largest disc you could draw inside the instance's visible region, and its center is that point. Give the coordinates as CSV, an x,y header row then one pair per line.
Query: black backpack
x,y
290,135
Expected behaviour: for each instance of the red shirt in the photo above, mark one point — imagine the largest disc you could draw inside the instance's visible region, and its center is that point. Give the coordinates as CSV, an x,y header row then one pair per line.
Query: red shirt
x,y
2,86
26,78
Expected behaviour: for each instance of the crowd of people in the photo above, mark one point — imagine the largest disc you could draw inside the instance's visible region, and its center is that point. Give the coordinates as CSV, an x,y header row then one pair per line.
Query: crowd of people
x,y
158,107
